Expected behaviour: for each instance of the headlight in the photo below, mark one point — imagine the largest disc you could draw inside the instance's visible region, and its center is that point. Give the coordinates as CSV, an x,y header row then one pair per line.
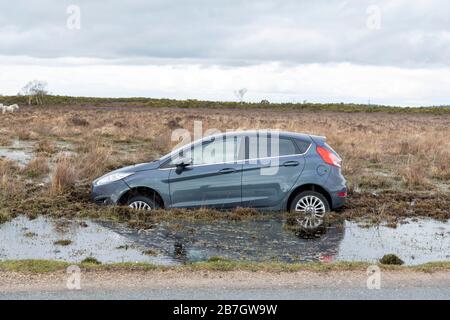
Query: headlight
x,y
112,177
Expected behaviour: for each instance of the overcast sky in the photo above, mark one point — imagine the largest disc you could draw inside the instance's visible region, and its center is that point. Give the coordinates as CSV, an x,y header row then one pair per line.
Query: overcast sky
x,y
390,52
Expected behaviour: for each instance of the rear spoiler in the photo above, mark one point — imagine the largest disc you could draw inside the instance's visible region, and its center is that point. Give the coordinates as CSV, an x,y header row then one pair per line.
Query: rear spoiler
x,y
320,140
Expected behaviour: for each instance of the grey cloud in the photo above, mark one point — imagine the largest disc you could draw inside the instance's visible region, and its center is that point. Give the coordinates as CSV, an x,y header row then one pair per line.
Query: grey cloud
x,y
412,34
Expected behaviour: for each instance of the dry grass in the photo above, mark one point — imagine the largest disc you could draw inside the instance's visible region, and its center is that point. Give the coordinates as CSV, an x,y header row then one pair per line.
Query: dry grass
x,y
37,167
8,172
4,140
411,148
45,146
63,177
395,152
94,159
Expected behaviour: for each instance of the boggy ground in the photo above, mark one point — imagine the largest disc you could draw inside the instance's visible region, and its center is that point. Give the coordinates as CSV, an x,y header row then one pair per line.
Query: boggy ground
x,y
396,164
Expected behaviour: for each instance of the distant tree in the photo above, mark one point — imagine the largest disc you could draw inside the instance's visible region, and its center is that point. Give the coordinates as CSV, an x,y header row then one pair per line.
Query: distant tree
x,y
35,90
264,101
240,94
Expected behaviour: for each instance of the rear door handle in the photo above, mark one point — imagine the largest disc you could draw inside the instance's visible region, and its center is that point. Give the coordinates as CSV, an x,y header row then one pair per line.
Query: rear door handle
x,y
227,170
291,163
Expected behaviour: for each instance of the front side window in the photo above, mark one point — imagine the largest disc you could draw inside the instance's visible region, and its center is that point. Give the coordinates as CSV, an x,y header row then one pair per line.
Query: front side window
x,y
219,150
228,149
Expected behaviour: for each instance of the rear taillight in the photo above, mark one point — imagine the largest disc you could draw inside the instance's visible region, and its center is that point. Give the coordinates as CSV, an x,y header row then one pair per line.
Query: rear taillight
x,y
329,157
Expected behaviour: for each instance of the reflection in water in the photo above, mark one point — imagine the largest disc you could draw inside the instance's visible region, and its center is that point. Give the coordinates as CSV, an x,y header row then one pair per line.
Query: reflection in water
x,y
266,240
262,240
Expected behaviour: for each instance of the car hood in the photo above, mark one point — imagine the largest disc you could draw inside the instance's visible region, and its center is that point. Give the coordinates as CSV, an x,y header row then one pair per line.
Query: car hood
x,y
139,167
134,168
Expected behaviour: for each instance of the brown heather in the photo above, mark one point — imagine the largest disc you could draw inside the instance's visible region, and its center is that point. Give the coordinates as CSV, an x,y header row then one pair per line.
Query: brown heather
x,y
412,148
382,152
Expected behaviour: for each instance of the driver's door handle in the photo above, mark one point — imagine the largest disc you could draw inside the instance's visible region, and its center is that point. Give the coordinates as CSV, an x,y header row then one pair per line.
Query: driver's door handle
x,y
227,170
291,163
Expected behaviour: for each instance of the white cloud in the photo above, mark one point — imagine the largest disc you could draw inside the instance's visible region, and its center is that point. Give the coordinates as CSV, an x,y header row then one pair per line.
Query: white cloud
x,y
280,50
273,81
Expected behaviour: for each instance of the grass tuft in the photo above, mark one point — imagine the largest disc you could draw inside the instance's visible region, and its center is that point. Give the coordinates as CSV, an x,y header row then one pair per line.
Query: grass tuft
x,y
63,242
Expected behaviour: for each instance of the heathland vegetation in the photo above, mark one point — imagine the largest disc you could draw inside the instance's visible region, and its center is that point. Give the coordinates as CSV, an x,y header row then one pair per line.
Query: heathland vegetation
x,y
397,160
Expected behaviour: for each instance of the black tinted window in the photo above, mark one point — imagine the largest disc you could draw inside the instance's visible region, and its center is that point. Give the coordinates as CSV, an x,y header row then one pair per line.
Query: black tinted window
x,y
302,145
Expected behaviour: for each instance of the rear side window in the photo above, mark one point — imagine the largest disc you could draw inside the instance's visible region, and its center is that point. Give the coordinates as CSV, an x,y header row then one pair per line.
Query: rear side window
x,y
302,145
286,147
262,146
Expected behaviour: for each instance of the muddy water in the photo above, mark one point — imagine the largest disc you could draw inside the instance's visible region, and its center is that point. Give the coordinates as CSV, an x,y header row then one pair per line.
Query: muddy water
x,y
23,151
35,239
19,151
415,242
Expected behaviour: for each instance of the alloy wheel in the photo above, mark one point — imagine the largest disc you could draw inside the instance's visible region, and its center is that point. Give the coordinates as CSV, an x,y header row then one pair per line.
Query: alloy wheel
x,y
312,211
140,205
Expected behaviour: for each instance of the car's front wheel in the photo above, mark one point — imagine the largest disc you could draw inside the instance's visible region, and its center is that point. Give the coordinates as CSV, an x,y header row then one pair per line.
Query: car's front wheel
x,y
311,207
141,203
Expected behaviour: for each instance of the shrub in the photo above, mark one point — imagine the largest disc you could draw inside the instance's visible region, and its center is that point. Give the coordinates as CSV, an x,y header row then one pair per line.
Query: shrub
x,y
391,259
91,260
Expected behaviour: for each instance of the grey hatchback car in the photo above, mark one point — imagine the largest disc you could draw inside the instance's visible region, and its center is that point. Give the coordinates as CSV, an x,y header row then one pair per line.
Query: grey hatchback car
x,y
268,170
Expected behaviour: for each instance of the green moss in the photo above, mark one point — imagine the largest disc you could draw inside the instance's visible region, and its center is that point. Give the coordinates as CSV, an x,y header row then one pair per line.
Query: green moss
x,y
33,266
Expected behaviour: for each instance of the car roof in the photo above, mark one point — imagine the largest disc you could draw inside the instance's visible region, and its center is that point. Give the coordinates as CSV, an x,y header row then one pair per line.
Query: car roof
x,y
284,134
240,133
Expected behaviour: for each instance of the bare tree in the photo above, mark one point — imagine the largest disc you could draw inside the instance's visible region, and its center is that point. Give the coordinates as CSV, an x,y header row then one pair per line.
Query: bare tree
x,y
240,94
35,90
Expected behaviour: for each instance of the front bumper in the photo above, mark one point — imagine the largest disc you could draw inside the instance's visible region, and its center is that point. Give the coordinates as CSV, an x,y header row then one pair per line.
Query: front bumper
x,y
109,193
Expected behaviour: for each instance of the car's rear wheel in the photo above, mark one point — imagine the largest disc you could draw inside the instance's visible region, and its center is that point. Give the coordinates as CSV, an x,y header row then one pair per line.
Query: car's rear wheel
x,y
311,207
141,203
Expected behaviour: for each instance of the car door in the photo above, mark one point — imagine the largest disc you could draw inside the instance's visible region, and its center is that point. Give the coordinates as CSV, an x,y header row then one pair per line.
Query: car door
x,y
268,177
213,179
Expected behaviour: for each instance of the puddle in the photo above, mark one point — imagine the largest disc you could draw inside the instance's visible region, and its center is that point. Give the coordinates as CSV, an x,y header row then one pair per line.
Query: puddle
x,y
19,151
415,242
34,239
16,155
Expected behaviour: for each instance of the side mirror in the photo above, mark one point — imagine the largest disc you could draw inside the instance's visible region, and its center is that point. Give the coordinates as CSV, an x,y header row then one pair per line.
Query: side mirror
x,y
181,163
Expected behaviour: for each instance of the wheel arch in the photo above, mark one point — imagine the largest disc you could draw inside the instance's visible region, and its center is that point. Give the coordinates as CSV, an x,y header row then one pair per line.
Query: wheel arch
x,y
143,191
309,187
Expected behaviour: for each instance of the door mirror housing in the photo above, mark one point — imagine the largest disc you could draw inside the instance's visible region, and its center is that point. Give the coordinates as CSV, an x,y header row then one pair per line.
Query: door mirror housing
x,y
181,163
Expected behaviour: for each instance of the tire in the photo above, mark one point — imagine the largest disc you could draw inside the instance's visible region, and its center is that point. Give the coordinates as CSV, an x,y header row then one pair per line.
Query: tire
x,y
142,203
312,207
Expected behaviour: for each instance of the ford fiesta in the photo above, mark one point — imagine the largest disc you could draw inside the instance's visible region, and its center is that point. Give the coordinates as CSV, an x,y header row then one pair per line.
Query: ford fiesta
x,y
270,171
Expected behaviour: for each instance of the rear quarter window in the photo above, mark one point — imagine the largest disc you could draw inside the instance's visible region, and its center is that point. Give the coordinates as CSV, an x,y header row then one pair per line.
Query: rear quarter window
x,y
302,145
